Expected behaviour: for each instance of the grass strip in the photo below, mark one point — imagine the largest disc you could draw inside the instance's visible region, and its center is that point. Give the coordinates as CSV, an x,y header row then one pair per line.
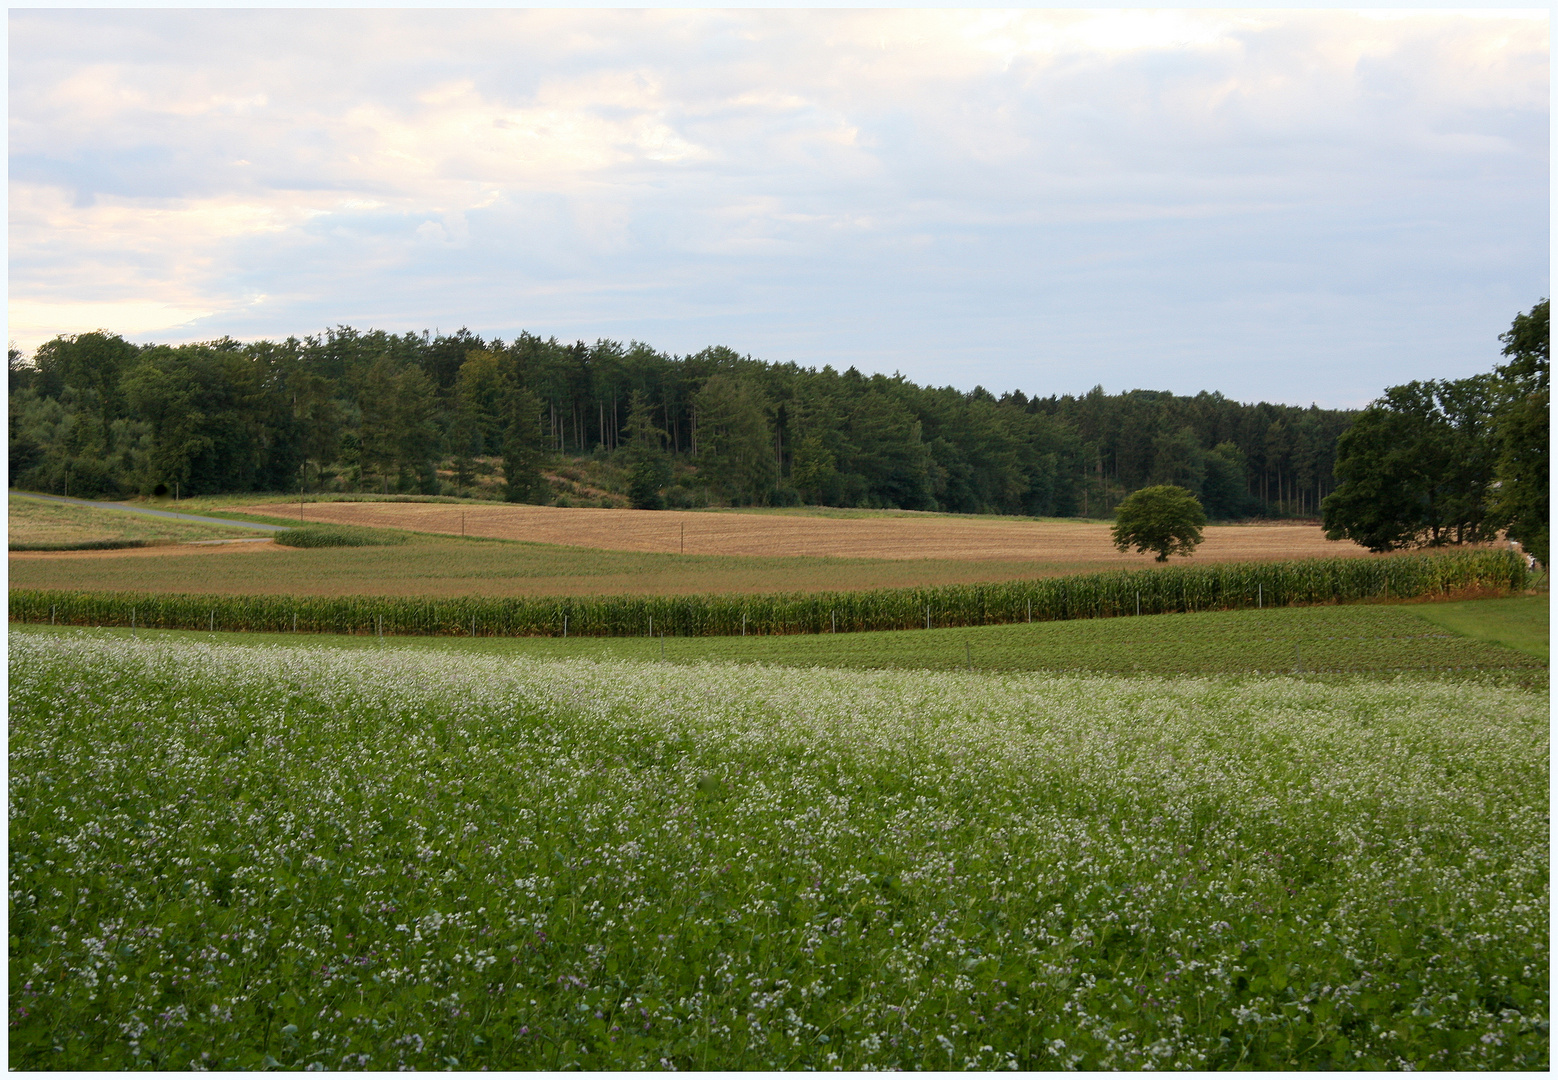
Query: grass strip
x,y
90,545
321,536
1376,640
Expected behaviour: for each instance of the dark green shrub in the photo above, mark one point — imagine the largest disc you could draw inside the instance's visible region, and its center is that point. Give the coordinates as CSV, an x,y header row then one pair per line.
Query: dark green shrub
x,y
320,536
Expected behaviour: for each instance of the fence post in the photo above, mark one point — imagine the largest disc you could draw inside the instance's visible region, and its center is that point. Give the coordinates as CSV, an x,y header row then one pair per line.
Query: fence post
x,y
565,626
213,621
1030,611
1138,601
1258,595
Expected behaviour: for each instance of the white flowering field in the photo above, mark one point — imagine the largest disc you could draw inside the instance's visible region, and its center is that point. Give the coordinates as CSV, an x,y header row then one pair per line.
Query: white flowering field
x,y
234,857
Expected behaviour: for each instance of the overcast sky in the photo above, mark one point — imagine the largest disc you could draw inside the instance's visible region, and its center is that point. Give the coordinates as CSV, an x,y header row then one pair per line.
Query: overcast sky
x,y
1291,206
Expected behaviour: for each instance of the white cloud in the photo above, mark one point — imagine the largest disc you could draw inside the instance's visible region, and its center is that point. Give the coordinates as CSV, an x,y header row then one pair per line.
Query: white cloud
x,y
893,188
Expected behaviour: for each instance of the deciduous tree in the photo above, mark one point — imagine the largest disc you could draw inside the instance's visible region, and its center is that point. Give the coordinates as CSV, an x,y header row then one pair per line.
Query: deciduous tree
x,y
1163,519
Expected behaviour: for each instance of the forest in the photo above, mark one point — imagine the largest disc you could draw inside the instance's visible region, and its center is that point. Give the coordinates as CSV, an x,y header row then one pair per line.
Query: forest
x,y
347,410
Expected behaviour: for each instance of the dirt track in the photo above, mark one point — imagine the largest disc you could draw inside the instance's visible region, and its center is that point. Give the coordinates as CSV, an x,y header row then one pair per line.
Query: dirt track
x,y
897,537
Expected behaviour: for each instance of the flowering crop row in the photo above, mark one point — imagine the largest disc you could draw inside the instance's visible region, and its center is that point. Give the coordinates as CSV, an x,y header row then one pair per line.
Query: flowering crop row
x,y
235,857
1102,595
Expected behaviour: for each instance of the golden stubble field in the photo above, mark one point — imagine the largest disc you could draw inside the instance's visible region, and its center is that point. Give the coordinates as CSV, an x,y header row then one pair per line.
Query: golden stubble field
x,y
580,552
906,536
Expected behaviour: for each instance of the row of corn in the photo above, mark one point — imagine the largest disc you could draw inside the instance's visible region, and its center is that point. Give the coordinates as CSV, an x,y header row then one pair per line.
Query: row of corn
x,y
1083,596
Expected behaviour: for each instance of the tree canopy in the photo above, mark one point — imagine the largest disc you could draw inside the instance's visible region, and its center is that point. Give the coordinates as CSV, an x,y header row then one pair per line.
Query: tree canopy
x,y
374,411
1451,461
1164,519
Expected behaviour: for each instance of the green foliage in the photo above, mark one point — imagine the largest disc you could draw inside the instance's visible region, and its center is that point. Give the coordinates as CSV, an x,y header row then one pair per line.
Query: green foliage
x,y
649,469
1104,595
1163,519
1524,462
523,449
735,442
349,410
82,545
241,858
1416,468
321,536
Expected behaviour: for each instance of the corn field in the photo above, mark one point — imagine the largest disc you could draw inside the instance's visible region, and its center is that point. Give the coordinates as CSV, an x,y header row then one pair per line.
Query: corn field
x,y
1224,586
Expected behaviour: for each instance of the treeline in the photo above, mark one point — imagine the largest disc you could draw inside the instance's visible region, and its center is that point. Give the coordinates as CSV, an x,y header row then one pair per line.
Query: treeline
x,y
1453,461
94,414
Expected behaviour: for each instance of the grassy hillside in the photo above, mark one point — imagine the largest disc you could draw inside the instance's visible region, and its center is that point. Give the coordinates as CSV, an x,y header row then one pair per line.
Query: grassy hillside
x,y
38,524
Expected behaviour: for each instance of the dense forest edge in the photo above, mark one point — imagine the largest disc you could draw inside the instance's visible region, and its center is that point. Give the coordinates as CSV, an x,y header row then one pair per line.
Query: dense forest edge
x,y
536,420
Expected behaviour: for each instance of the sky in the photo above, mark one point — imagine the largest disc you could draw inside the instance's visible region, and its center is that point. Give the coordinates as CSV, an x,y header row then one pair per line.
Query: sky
x,y
1296,206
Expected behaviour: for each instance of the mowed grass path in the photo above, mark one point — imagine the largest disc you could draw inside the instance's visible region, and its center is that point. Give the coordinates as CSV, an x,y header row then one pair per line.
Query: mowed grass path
x,y
1518,622
1384,639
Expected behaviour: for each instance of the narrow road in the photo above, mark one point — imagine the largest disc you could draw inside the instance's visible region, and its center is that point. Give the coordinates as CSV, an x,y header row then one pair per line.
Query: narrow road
x,y
146,510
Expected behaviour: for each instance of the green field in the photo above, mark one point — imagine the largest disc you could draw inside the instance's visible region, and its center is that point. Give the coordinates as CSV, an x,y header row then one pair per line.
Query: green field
x,y
1518,622
392,857
40,525
1381,639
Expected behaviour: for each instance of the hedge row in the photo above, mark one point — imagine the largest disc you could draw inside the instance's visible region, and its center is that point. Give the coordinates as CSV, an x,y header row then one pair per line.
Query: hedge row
x,y
1084,596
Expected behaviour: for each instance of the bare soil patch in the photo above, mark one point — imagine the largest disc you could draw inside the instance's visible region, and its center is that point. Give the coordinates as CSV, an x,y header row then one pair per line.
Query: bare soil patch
x,y
767,535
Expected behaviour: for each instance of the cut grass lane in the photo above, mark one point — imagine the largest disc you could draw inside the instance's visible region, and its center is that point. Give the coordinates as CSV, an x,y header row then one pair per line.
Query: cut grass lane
x,y
1516,622
1383,639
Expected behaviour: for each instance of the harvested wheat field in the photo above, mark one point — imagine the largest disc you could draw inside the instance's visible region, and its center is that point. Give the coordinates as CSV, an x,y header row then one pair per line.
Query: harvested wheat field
x,y
906,536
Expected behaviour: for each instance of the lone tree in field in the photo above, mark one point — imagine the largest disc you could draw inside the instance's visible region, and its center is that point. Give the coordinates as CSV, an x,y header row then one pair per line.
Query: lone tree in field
x,y
1165,519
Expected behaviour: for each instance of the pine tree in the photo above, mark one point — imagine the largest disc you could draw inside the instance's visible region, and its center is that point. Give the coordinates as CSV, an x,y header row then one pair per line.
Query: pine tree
x,y
649,469
523,452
